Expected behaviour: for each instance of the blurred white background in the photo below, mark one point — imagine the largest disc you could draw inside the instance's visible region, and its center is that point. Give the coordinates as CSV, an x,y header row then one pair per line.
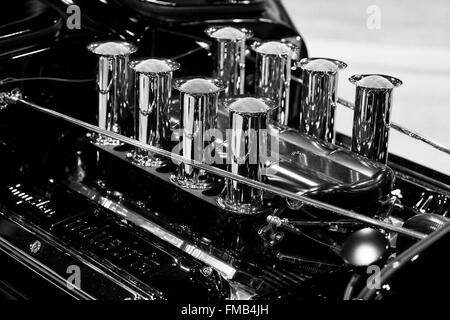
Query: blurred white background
x,y
412,43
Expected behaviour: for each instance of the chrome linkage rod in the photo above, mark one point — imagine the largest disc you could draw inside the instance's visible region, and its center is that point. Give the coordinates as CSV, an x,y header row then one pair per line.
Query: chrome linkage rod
x,y
15,97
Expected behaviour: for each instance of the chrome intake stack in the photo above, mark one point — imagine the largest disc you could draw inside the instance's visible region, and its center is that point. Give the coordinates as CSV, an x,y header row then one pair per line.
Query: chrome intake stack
x,y
199,99
113,86
274,61
153,88
247,151
319,96
230,57
371,120
300,163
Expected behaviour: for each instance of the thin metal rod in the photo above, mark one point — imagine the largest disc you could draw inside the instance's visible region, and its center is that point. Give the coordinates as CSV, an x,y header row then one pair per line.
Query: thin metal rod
x,y
404,130
11,99
346,103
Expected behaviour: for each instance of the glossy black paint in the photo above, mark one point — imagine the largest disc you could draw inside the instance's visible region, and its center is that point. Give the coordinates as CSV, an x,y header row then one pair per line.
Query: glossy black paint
x,y
39,152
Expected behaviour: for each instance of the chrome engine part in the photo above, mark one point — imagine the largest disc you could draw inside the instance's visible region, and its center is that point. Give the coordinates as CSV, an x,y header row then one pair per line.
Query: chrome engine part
x,y
203,161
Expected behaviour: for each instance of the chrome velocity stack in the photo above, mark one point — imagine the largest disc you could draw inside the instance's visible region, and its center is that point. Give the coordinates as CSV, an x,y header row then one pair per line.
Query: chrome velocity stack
x,y
273,75
319,96
230,56
371,119
153,89
113,86
247,152
198,101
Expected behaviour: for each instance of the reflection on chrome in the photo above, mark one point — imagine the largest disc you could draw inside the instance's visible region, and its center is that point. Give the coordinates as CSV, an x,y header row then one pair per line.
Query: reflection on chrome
x,y
153,87
249,119
230,56
199,99
274,60
113,86
319,96
224,197
372,112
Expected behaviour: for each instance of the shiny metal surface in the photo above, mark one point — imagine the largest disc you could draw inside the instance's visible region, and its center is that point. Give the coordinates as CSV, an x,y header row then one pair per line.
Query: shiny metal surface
x,y
51,260
113,86
371,119
153,89
397,127
364,247
298,243
303,164
319,96
273,74
229,51
225,269
13,99
247,153
198,102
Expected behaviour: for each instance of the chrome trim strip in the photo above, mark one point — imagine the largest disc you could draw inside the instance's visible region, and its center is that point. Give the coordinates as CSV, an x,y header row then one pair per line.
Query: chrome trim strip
x,y
41,269
17,241
222,267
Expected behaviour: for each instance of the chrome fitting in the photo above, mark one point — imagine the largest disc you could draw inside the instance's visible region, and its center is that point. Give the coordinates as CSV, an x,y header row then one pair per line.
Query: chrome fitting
x,y
273,75
319,96
198,101
371,118
113,86
230,56
247,151
153,89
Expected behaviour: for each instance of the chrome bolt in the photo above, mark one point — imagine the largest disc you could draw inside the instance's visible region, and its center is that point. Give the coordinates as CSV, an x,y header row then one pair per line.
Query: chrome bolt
x,y
207,271
35,246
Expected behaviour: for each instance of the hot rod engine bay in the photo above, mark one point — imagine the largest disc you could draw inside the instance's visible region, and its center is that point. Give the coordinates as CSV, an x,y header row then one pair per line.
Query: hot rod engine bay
x,y
187,150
